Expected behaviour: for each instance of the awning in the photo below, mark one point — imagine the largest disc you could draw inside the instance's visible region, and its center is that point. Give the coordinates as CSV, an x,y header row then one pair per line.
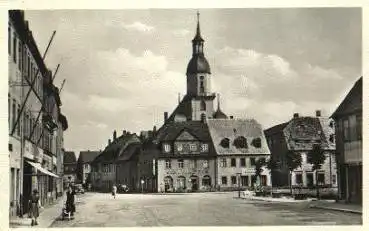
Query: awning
x,y
41,169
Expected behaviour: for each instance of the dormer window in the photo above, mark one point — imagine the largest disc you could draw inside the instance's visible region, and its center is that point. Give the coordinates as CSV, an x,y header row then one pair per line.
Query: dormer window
x,y
166,148
225,143
256,143
240,142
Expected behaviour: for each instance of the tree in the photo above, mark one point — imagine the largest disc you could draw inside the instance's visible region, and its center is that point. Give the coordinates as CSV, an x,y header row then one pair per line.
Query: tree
x,y
272,165
293,161
316,157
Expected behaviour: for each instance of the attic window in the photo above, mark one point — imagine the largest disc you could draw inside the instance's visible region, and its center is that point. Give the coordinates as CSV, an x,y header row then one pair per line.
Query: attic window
x,y
331,138
225,143
256,143
240,142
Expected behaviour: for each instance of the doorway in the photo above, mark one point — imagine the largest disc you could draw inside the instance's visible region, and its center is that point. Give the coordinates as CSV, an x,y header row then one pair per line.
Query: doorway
x,y
194,183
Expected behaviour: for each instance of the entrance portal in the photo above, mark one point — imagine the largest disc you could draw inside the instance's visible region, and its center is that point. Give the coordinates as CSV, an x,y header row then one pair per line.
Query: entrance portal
x,y
194,183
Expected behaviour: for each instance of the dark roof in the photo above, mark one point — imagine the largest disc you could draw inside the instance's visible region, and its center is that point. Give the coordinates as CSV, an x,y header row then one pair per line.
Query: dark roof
x,y
234,128
352,102
183,108
220,115
69,158
131,150
171,130
275,129
87,156
115,149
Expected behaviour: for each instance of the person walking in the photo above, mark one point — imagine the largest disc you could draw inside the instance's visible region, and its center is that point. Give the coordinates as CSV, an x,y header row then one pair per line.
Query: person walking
x,y
70,203
114,191
34,206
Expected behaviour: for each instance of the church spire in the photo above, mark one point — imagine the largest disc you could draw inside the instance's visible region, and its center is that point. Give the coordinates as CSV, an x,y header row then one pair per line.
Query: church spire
x,y
198,31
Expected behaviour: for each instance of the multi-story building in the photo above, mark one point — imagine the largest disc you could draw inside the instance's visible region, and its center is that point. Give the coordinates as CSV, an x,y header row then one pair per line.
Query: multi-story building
x,y
26,97
299,135
105,167
62,126
69,168
84,165
239,144
349,144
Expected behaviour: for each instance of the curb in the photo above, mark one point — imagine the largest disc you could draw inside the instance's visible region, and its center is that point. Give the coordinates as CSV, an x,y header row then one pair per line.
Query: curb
x,y
336,209
278,201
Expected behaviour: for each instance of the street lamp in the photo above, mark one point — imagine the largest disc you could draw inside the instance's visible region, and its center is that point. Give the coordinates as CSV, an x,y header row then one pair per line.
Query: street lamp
x,y
239,185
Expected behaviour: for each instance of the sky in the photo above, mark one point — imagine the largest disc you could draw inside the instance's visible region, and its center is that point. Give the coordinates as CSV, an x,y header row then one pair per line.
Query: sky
x,y
125,68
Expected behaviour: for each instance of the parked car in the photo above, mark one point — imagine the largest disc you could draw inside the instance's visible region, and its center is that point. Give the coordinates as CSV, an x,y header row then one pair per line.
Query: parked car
x,y
79,189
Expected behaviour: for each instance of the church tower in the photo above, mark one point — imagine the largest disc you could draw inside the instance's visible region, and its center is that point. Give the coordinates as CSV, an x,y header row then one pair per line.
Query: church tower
x,y
199,79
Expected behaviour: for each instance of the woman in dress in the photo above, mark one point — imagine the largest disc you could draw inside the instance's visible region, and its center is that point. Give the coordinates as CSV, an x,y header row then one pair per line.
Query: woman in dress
x,y
70,203
35,205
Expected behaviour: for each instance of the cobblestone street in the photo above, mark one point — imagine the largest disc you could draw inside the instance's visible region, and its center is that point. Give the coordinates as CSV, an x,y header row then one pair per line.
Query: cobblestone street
x,y
202,209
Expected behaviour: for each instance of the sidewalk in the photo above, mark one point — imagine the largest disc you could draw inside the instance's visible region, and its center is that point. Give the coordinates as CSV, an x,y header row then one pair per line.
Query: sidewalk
x,y
337,206
270,199
47,216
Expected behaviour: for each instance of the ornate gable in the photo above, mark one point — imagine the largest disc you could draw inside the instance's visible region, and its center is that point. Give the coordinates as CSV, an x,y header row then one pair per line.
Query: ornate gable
x,y
184,135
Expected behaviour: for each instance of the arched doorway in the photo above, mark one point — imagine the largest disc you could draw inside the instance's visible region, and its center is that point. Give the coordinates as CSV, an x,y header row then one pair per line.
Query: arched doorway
x,y
194,182
168,182
206,181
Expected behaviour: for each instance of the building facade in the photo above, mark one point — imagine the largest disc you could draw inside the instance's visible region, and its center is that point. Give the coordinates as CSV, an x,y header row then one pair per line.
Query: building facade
x,y
69,168
348,117
31,165
84,165
299,135
239,144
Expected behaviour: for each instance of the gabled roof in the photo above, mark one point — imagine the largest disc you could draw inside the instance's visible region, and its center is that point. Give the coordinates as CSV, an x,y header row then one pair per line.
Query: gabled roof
x,y
303,132
87,156
116,148
69,158
352,102
171,130
233,128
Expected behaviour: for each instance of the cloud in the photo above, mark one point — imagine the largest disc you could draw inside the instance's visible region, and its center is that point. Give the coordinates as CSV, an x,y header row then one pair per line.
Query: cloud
x,y
181,32
138,26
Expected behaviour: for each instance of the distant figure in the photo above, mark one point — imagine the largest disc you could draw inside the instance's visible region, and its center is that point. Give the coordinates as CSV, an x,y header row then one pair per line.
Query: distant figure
x,y
34,205
114,191
70,203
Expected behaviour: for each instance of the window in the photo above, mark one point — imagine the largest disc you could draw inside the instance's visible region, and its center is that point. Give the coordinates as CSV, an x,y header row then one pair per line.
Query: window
x,y
20,55
245,180
192,147
240,142
234,179
256,143
168,164
14,48
204,147
206,164
225,143
263,179
252,161
334,179
202,105
166,147
310,179
206,181
224,180
202,88
253,180
243,162
346,130
223,162
180,164
9,40
359,127
321,180
298,178
233,162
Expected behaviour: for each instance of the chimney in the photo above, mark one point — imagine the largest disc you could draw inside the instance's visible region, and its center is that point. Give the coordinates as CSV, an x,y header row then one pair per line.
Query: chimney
x,y
114,135
165,116
295,115
231,117
318,113
124,132
109,141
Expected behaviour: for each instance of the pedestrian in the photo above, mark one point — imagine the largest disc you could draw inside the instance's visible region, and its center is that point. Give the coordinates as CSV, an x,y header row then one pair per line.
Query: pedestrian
x,y
34,206
70,203
114,191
